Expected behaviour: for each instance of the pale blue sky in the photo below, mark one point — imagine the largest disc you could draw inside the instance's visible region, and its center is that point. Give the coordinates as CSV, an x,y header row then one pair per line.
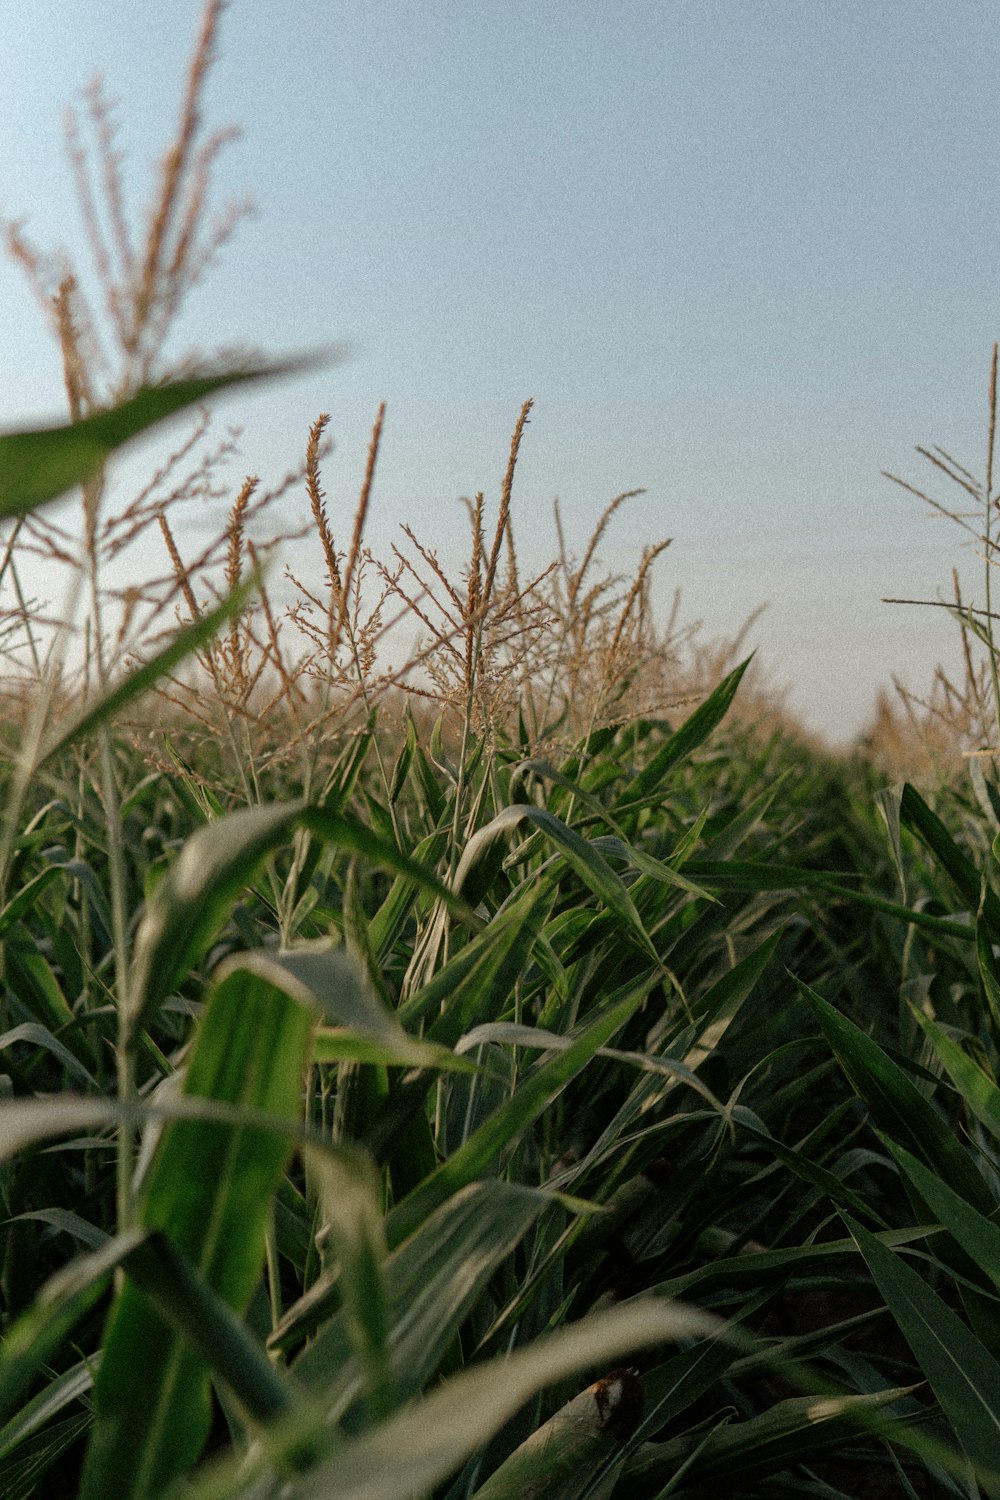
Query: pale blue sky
x,y
741,252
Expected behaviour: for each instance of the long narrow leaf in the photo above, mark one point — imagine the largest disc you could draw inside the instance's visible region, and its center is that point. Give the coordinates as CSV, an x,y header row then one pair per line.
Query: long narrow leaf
x,y
582,857
978,1236
139,681
976,1087
432,1283
37,1335
188,905
210,1188
38,466
962,1373
968,881
508,1122
417,1449
897,1106
349,1200
692,733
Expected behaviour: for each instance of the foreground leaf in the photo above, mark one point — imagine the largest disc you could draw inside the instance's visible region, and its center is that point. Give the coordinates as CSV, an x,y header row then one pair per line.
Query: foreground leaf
x,y
404,1458
432,1283
210,1187
38,466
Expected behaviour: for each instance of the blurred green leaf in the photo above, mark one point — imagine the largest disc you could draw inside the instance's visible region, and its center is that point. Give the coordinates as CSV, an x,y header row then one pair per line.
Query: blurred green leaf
x,y
334,984
33,1034
189,904
37,1335
561,1458
348,1193
428,1440
210,1187
795,1431
141,679
432,1282
38,466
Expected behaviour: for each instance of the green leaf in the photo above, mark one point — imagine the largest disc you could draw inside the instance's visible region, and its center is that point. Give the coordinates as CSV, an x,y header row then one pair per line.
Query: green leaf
x,y
171,1284
717,1005
63,1391
334,984
586,862
692,733
19,905
218,861
897,1106
38,466
967,879
480,974
428,1440
888,802
976,1087
988,972
796,1160
70,1223
22,1473
210,1187
508,1123
348,1193
612,847
192,900
774,1267
336,1045
560,1458
432,1283
33,1034
978,1236
964,1377
347,833
139,681
401,769
28,1122
38,1334
794,1431
537,1039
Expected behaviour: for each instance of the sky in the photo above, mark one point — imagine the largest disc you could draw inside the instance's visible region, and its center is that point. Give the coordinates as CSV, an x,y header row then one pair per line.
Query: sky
x,y
741,253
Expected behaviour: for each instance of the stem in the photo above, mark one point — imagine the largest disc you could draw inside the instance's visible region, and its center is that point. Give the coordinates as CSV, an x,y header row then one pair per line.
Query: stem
x,y
994,677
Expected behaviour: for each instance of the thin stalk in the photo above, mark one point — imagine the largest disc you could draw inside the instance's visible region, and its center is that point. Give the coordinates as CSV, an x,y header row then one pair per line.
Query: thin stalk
x,y
988,537
125,1056
125,1052
29,752
273,1274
